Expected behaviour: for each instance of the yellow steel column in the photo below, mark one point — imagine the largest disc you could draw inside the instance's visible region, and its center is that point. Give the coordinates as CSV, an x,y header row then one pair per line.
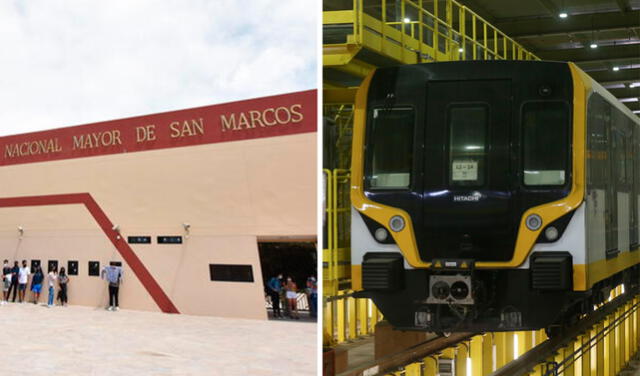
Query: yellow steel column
x,y
436,32
509,346
462,34
504,46
430,366
487,354
618,341
599,356
383,29
351,317
524,342
610,354
449,16
363,312
567,354
632,331
495,43
585,359
541,336
473,24
328,323
484,44
413,369
624,331
420,32
476,353
499,344
360,15
461,359
402,28
634,320
340,319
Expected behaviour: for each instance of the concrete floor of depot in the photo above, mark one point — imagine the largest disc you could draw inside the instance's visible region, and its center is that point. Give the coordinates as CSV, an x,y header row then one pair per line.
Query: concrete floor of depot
x,y
76,340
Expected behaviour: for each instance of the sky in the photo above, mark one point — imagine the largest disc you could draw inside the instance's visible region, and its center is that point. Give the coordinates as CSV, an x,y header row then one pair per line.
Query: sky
x,y
73,62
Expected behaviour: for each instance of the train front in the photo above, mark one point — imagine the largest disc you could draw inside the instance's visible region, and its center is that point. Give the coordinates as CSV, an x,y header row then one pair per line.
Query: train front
x,y
461,173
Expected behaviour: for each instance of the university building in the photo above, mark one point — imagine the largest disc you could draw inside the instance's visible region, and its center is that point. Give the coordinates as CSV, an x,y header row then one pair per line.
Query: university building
x,y
183,200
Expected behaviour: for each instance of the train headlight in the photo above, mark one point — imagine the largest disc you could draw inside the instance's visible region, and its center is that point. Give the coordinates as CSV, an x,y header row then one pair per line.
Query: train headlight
x,y
459,290
381,234
533,222
440,290
396,223
551,233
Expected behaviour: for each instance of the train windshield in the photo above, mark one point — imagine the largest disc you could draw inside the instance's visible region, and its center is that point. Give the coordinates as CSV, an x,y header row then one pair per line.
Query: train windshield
x,y
545,143
467,139
391,148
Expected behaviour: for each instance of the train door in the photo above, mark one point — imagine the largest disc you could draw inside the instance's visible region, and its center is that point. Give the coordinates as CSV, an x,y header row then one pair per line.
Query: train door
x,y
469,173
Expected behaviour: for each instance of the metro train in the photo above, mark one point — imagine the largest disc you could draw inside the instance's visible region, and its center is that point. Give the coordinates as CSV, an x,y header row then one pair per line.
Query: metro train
x,y
492,195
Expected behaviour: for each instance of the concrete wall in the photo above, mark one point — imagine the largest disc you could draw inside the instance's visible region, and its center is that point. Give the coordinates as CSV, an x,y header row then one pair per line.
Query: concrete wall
x,y
230,193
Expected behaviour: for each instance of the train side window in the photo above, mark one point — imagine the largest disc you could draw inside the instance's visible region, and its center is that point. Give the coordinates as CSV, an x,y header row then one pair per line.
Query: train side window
x,y
545,143
391,147
467,144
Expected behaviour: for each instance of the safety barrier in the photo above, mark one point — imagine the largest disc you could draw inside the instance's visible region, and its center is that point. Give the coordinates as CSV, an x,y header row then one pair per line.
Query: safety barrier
x,y
603,350
346,318
337,216
340,141
412,31
302,300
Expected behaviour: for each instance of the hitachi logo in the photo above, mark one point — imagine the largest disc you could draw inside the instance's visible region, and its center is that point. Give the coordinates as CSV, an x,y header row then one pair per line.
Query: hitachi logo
x,y
470,198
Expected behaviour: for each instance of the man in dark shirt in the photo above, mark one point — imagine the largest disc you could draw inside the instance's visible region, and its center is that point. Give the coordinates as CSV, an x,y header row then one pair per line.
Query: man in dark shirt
x,y
14,281
6,281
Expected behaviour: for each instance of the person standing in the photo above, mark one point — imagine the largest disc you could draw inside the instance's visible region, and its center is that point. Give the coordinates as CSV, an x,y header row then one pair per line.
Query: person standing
x,y
53,277
312,291
113,274
275,286
36,284
6,281
14,280
23,278
292,297
63,280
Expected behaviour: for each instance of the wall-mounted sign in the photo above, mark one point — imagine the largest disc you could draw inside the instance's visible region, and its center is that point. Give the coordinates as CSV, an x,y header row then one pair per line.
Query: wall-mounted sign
x,y
277,115
169,239
72,267
139,239
231,273
94,268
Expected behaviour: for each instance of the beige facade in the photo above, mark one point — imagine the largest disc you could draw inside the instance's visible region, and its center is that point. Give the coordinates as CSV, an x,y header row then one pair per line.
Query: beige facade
x,y
230,193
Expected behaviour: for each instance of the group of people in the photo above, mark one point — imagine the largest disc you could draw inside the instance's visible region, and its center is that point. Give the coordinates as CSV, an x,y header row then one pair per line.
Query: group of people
x,y
16,278
286,291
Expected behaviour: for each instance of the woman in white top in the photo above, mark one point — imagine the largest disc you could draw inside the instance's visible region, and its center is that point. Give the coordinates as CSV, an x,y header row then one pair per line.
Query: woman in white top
x,y
53,277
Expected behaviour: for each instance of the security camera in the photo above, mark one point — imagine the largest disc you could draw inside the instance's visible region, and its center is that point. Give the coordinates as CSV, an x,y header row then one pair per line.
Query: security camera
x,y
186,226
116,228
20,229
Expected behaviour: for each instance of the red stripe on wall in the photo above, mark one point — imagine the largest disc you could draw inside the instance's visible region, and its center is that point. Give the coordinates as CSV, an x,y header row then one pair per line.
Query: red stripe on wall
x,y
278,115
162,300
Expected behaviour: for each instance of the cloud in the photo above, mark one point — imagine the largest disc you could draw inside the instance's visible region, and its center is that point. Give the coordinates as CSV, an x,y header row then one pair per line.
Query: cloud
x,y
74,62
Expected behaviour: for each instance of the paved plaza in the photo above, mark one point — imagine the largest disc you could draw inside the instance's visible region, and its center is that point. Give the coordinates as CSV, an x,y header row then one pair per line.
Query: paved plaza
x,y
88,341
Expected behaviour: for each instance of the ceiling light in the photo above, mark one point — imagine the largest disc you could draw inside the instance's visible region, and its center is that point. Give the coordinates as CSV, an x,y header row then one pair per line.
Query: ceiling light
x,y
627,100
407,20
636,111
460,50
616,69
563,15
593,45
